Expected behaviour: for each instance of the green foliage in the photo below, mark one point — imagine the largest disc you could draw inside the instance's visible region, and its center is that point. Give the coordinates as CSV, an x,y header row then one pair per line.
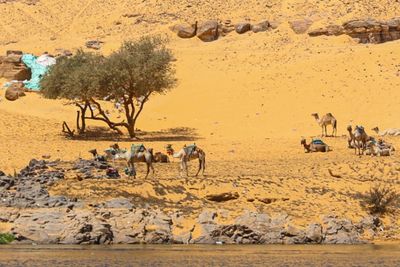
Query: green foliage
x,y
130,75
6,238
138,69
380,199
72,78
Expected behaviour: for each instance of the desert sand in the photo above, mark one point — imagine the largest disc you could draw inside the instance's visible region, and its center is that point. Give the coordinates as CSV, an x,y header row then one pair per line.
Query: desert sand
x,y
246,100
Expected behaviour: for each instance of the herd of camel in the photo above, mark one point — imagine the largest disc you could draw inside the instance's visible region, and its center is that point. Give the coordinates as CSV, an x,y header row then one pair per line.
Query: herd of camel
x,y
358,139
142,154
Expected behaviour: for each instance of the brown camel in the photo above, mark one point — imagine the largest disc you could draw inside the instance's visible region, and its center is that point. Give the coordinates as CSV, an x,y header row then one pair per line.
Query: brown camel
x,y
160,158
186,154
326,120
316,145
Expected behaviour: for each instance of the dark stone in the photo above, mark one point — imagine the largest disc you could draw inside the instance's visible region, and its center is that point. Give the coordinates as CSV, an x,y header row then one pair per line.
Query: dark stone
x,y
208,31
242,27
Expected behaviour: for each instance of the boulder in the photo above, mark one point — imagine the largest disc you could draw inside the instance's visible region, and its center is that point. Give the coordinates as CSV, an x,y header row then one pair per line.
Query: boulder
x,y
14,91
300,26
260,27
314,233
242,27
185,31
208,31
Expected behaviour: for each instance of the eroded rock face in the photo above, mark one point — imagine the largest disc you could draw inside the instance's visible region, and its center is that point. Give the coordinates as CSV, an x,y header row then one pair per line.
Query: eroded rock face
x,y
208,31
365,31
12,68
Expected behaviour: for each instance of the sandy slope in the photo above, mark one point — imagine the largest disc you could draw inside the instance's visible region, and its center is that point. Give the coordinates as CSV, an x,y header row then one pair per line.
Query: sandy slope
x,y
249,96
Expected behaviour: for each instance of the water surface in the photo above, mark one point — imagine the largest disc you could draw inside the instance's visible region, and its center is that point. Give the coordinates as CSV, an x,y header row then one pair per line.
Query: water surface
x,y
196,255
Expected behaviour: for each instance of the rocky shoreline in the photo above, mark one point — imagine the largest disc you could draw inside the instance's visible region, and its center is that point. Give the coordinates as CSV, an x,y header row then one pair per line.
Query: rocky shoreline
x,y
40,218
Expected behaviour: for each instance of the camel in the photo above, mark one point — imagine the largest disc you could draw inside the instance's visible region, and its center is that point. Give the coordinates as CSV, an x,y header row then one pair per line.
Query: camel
x,y
161,158
350,139
316,145
360,139
380,148
326,120
188,153
391,131
135,154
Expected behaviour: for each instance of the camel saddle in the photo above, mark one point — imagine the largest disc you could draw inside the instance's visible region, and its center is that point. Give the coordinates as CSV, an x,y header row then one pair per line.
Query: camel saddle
x,y
189,149
318,142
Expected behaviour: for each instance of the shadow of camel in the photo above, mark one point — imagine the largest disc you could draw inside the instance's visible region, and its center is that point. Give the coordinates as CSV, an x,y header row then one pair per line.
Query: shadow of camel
x,y
167,135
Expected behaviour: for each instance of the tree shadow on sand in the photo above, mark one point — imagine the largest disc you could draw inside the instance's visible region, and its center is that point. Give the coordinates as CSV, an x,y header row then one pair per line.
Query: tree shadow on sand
x,y
167,135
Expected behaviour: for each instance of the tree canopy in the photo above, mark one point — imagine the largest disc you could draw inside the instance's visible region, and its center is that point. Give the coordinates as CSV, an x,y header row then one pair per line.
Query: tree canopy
x,y
128,76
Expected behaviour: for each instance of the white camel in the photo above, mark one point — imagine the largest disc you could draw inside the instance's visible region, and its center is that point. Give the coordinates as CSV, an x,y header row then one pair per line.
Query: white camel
x,y
186,154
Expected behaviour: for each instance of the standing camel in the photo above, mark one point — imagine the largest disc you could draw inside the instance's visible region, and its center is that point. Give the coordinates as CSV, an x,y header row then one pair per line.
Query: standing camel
x,y
186,154
360,140
350,140
135,154
326,120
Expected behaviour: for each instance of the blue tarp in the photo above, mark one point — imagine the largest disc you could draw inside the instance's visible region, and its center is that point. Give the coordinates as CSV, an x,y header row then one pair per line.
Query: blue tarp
x,y
39,67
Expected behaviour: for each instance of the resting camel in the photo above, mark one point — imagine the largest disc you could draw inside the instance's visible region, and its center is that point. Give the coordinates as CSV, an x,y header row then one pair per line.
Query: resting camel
x,y
360,139
160,158
316,145
391,131
188,153
326,120
380,148
135,154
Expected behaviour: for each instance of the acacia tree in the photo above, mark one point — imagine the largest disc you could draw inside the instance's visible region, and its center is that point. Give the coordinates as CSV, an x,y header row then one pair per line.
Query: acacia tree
x,y
134,73
130,76
76,79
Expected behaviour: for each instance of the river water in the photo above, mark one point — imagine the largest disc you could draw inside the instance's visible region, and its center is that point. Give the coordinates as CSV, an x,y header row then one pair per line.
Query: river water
x,y
194,255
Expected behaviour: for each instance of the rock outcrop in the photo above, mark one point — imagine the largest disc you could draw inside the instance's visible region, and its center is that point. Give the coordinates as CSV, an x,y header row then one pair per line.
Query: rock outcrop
x,y
211,30
365,31
12,68
36,216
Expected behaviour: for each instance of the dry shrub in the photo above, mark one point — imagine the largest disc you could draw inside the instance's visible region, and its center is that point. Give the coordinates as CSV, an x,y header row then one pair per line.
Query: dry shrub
x,y
380,199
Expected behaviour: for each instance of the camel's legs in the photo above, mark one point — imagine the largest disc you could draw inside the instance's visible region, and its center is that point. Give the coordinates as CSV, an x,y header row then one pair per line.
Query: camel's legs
x,y
200,166
148,170
204,165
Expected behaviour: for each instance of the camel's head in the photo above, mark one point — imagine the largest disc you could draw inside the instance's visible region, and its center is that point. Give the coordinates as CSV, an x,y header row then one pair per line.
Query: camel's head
x,y
303,142
93,152
115,146
375,129
315,115
349,128
169,149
